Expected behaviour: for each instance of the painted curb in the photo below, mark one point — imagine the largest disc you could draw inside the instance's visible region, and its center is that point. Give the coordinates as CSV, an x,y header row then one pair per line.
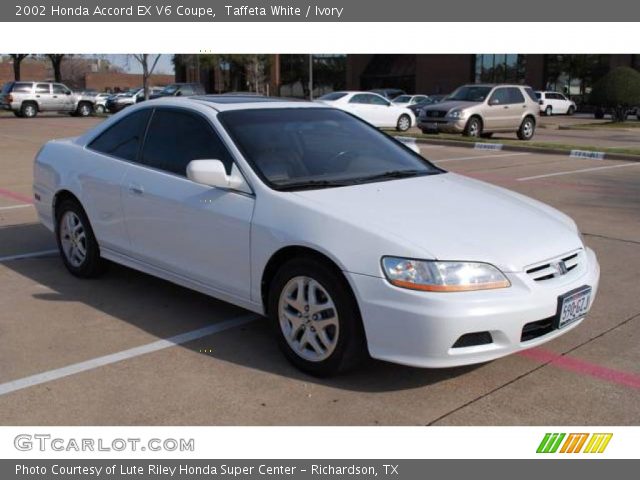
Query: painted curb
x,y
588,154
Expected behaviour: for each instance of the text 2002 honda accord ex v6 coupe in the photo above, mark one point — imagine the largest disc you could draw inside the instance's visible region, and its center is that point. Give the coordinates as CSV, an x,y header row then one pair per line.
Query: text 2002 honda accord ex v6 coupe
x,y
345,238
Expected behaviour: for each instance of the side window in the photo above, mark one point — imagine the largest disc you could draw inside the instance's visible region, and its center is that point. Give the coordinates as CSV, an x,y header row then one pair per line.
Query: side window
x,y
124,138
42,88
500,96
535,96
187,90
376,100
22,87
176,137
515,95
360,98
59,89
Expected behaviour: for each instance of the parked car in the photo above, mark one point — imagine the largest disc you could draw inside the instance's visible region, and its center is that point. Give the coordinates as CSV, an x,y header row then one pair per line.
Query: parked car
x,y
373,108
180,90
554,103
409,100
100,102
346,239
429,100
481,110
389,93
116,103
27,99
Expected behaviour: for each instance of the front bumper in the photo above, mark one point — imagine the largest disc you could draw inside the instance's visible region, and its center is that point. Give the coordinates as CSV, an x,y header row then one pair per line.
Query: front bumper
x,y
442,124
420,328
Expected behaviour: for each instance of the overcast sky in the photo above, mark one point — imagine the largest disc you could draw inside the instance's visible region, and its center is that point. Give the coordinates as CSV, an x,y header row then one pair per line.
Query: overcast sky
x,y
132,66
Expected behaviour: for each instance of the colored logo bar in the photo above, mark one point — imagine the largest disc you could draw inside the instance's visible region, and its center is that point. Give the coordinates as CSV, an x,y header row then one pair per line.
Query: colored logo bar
x,y
574,443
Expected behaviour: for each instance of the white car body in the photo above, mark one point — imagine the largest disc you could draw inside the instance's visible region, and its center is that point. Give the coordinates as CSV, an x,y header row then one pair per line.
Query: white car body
x,y
155,222
371,107
557,102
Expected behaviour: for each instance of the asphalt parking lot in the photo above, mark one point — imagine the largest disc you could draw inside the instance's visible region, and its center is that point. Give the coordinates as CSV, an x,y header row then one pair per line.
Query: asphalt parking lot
x,y
76,352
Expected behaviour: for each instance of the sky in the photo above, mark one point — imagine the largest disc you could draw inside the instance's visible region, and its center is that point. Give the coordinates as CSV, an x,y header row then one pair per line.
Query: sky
x,y
130,65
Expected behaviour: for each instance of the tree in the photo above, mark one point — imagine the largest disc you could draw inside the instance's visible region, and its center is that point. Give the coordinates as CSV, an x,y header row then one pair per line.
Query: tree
x,y
148,63
618,90
56,62
17,60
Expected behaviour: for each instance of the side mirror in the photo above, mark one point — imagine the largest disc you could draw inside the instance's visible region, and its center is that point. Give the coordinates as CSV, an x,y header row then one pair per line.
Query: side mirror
x,y
67,92
213,173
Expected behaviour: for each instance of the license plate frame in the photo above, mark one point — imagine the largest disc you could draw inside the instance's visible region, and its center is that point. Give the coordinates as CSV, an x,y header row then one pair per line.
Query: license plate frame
x,y
579,297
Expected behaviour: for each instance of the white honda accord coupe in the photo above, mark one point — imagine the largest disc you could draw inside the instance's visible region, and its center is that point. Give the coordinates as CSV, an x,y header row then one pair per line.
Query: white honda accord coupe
x,y
373,108
345,238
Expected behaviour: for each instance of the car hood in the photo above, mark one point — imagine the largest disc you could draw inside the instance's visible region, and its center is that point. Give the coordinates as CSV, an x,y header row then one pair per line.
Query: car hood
x,y
450,104
451,217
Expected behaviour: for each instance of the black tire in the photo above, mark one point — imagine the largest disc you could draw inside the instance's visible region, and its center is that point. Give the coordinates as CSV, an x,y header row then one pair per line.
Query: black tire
x,y
571,110
404,123
599,114
28,110
85,109
93,264
18,114
486,135
548,111
473,128
527,129
350,347
100,109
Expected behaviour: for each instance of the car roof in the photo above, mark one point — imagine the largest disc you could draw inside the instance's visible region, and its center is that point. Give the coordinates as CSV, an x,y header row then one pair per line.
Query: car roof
x,y
223,103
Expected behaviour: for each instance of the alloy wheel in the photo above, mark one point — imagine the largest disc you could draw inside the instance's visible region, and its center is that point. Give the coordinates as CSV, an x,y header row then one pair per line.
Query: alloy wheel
x,y
73,238
308,319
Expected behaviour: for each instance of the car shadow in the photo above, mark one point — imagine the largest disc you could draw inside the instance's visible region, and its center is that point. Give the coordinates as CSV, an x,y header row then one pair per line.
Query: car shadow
x,y
164,309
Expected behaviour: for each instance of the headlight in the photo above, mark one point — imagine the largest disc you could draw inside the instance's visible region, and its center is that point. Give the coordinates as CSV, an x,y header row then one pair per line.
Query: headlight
x,y
456,114
437,276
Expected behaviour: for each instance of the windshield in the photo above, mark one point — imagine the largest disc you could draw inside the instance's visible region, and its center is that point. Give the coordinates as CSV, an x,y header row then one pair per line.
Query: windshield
x,y
169,90
402,99
297,148
333,96
470,93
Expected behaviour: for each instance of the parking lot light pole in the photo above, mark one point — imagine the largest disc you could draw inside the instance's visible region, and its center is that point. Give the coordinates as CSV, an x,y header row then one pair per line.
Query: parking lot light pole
x,y
311,77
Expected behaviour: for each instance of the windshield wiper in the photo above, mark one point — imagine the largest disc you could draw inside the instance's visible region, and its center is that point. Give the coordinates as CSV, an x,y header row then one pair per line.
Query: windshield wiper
x,y
313,184
394,174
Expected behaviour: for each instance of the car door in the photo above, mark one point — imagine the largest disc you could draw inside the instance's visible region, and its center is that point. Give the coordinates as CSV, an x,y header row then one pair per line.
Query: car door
x,y
563,103
497,115
359,105
61,98
44,97
385,113
111,154
195,231
517,107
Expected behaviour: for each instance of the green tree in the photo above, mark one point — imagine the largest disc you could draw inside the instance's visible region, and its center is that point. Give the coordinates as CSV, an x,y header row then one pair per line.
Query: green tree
x,y
618,90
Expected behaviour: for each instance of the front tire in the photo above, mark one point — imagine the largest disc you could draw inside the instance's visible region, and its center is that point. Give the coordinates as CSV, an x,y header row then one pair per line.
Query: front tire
x,y
527,129
315,317
473,128
76,241
404,123
84,109
548,111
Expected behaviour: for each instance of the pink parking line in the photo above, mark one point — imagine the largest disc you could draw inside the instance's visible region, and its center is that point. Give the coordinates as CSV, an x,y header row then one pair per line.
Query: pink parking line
x,y
15,196
582,367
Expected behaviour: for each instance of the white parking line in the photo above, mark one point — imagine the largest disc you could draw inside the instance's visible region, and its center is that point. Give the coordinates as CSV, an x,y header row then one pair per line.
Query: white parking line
x,y
94,363
569,172
12,207
455,159
21,256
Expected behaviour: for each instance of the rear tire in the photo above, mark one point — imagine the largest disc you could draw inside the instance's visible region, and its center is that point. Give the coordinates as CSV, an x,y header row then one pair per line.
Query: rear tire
x,y
28,110
527,129
76,241
404,123
315,317
473,128
84,109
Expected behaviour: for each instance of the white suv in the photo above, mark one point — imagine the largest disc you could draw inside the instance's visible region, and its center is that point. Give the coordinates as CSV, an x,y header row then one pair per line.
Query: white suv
x,y
554,103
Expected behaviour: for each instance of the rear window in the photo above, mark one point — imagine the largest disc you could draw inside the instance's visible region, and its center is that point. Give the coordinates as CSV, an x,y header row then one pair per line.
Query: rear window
x,y
22,87
535,96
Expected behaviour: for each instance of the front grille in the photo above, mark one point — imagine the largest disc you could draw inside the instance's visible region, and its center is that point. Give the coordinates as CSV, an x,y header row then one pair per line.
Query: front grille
x,y
555,268
473,339
536,329
435,113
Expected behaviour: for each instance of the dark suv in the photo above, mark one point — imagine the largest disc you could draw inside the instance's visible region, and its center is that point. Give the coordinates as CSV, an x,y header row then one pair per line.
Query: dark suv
x,y
180,90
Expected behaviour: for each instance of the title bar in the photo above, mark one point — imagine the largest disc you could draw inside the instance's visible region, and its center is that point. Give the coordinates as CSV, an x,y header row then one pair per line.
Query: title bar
x,y
318,11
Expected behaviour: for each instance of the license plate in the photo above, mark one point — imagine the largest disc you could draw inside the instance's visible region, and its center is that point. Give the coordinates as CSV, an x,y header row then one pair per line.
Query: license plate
x,y
573,306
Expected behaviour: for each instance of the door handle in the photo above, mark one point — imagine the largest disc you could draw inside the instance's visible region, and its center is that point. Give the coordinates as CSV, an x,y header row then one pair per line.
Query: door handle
x,y
136,189
37,96
55,96
505,107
